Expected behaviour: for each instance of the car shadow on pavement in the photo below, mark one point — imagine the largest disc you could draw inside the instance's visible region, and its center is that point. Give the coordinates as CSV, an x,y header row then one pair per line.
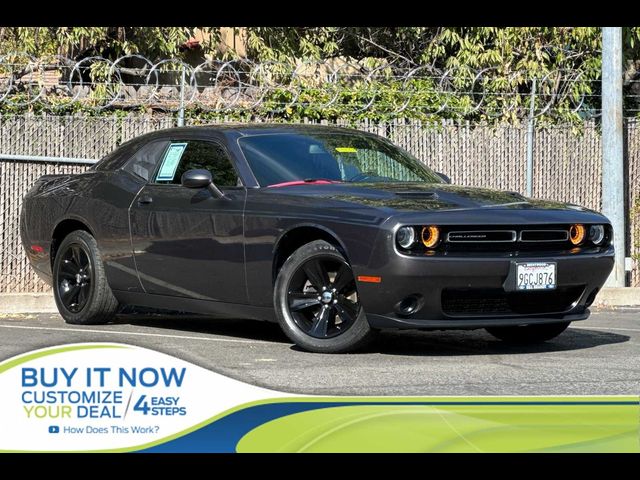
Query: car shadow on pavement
x,y
194,324
479,342
399,342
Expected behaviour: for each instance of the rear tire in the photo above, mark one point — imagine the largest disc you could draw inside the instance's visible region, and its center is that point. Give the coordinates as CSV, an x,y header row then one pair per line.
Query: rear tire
x,y
317,302
80,286
529,334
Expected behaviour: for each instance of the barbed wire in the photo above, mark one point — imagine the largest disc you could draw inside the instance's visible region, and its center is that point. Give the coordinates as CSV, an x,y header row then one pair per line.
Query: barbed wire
x,y
358,86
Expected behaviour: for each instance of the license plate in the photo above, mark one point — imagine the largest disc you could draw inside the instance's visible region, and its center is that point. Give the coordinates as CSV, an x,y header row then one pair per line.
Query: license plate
x,y
535,276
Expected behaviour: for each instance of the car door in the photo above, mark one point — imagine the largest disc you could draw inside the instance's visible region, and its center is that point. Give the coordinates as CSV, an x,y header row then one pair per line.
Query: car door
x,y
187,242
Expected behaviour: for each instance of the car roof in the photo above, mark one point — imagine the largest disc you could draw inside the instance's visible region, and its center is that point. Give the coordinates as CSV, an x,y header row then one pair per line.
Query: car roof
x,y
244,129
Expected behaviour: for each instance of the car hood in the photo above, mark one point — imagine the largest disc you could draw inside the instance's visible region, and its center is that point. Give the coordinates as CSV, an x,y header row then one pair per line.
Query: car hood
x,y
417,197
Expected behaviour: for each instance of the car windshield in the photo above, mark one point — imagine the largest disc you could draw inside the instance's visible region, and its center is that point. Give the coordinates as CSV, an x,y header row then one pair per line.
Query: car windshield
x,y
340,157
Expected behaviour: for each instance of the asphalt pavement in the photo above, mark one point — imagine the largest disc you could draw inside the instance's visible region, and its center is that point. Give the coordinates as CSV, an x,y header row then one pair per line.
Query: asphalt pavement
x,y
599,356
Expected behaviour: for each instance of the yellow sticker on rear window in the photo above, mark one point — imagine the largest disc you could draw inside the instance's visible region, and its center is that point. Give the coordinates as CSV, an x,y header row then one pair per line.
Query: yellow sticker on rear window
x,y
346,149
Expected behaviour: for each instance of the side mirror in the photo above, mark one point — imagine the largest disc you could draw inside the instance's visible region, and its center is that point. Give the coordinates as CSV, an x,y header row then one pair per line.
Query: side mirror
x,y
200,178
196,178
445,178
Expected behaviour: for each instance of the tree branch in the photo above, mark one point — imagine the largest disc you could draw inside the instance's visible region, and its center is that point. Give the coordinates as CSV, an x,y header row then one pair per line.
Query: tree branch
x,y
390,52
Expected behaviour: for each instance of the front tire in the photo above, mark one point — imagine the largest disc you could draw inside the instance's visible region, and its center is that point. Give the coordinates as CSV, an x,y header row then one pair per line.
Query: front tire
x,y
80,285
317,303
529,334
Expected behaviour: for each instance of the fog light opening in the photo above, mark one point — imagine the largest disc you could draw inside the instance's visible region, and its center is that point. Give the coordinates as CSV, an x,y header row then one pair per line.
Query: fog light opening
x,y
409,305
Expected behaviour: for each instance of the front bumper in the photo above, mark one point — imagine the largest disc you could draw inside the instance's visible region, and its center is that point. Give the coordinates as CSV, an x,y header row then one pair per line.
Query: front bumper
x,y
438,281
394,321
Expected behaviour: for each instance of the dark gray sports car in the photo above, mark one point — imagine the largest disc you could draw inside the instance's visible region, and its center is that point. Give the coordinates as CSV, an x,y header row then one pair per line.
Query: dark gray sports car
x,y
332,232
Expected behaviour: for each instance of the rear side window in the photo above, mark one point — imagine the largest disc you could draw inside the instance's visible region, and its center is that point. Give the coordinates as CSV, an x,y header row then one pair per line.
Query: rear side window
x,y
181,156
116,158
145,161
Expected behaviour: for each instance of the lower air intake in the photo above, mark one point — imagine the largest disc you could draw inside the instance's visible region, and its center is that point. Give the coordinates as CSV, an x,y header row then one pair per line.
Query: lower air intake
x,y
495,301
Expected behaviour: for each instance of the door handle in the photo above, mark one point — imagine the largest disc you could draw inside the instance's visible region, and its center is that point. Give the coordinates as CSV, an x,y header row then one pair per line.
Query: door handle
x,y
145,200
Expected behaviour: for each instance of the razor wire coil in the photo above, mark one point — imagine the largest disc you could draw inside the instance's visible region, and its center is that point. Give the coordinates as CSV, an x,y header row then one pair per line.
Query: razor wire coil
x,y
224,86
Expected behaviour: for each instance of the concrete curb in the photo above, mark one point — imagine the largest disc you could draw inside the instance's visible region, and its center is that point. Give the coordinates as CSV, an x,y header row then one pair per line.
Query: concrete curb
x,y
27,303
618,297
44,303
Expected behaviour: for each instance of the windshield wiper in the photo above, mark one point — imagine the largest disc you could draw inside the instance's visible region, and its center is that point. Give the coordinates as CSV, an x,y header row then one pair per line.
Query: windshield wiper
x,y
306,181
316,180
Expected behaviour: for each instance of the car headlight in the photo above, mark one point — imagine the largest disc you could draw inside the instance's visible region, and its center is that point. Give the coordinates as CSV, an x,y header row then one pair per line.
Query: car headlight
x,y
596,234
577,233
406,237
430,236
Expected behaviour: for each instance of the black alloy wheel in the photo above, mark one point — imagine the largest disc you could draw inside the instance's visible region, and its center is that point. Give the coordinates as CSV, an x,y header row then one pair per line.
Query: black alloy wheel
x,y
75,277
317,303
80,285
322,297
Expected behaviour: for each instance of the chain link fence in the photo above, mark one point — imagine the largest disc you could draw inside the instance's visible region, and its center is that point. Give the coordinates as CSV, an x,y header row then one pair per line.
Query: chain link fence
x,y
567,164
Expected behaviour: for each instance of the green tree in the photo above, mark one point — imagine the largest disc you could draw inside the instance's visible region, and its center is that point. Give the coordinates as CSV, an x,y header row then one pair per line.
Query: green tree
x,y
565,61
445,62
153,42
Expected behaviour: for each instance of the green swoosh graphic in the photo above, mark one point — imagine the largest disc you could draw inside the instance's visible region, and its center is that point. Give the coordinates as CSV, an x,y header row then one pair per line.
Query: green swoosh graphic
x,y
457,428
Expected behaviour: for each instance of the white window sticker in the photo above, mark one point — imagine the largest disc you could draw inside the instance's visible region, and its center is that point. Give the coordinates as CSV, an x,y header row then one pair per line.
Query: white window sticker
x,y
170,161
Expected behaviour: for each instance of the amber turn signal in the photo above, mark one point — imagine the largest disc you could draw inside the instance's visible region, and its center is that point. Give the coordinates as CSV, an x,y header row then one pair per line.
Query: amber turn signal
x,y
577,233
369,279
430,236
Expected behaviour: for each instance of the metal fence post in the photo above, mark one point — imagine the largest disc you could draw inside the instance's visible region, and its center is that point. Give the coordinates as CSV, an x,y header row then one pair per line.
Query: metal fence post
x,y
613,200
181,109
530,133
